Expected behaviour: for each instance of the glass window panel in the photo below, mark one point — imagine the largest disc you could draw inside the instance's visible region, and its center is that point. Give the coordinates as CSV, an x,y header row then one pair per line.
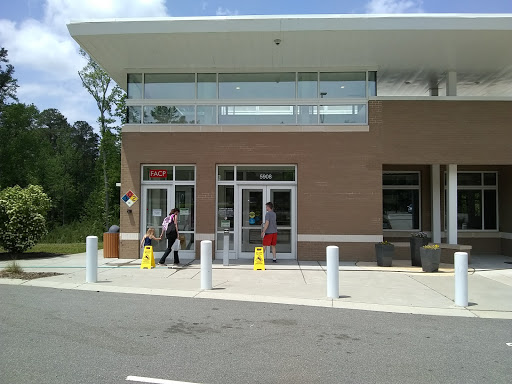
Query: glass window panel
x,y
265,173
284,241
206,114
490,179
162,114
251,218
401,179
226,206
469,178
474,204
307,85
206,86
257,114
185,172
257,85
169,86
282,200
187,242
251,237
134,86
156,200
226,173
490,205
307,114
401,209
133,114
159,246
343,114
252,205
336,85
184,200
157,172
156,203
469,209
372,83
220,241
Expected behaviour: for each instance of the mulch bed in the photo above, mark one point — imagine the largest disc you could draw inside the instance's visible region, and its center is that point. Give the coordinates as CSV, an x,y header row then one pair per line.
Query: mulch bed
x,y
5,256
27,275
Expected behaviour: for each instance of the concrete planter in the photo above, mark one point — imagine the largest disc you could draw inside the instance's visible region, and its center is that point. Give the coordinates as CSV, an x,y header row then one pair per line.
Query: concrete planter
x,y
430,259
384,253
416,244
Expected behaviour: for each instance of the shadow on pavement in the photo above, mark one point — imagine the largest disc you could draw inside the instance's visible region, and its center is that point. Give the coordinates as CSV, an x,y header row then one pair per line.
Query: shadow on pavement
x,y
6,256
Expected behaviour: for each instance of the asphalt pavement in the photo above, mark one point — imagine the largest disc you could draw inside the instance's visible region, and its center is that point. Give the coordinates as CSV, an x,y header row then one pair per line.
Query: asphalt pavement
x,y
362,285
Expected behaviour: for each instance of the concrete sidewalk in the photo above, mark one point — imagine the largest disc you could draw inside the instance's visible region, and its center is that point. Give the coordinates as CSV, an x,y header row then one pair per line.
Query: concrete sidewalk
x,y
363,285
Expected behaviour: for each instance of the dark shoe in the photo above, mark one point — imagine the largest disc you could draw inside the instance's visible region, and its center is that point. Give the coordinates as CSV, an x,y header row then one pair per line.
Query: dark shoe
x,y
178,263
274,260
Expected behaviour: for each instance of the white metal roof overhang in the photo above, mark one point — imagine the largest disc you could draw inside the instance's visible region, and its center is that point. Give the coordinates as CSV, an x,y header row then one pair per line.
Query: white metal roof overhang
x,y
410,52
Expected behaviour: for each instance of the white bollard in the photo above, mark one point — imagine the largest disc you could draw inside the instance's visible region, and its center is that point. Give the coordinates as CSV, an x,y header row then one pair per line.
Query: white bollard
x,y
333,275
91,262
461,278
206,264
225,257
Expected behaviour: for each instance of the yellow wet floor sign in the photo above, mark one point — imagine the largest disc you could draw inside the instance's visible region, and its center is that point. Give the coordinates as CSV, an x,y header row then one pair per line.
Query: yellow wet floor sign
x,y
259,259
148,260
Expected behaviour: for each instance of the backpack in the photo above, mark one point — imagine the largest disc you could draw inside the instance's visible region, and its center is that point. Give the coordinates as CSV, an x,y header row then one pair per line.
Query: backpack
x,y
171,227
166,222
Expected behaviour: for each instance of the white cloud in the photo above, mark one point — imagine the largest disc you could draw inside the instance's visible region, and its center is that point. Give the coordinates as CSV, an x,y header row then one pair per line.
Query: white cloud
x,y
226,12
45,45
33,46
44,51
60,12
70,98
394,6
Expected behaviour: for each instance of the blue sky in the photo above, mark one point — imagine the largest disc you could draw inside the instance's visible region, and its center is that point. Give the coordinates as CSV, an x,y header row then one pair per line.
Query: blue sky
x,y
46,59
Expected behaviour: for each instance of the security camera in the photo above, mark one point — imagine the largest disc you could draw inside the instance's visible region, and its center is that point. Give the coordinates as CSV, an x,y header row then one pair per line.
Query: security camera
x,y
277,41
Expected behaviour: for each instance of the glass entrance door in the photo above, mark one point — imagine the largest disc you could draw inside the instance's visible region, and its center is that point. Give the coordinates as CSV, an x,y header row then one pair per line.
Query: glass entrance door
x,y
157,202
252,214
283,198
156,206
252,218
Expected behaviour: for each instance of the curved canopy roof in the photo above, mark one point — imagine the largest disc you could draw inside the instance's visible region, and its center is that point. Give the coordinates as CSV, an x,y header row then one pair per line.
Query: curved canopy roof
x,y
411,52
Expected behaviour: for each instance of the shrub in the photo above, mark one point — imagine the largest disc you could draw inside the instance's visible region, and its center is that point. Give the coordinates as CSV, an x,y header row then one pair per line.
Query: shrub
x,y
13,267
419,234
22,217
432,246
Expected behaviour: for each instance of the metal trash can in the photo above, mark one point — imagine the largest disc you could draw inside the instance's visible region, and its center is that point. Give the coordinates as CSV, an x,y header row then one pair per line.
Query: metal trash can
x,y
111,242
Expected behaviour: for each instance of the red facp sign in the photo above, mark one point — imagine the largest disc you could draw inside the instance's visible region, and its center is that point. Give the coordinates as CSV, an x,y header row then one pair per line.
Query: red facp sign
x,y
157,173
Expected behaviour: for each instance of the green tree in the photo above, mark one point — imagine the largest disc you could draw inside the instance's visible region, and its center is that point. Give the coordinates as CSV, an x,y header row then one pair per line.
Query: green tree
x,y
106,94
8,84
20,145
57,165
22,217
85,145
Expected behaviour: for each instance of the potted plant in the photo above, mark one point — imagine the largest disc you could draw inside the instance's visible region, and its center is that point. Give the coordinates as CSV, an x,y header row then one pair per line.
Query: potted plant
x,y
417,240
384,252
430,257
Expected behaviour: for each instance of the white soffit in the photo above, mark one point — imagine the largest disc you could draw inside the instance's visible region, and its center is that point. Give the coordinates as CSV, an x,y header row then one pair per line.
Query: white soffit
x,y
411,52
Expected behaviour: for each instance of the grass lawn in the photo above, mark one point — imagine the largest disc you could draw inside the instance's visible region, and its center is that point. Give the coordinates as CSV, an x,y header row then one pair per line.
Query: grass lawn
x,y
49,249
64,248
